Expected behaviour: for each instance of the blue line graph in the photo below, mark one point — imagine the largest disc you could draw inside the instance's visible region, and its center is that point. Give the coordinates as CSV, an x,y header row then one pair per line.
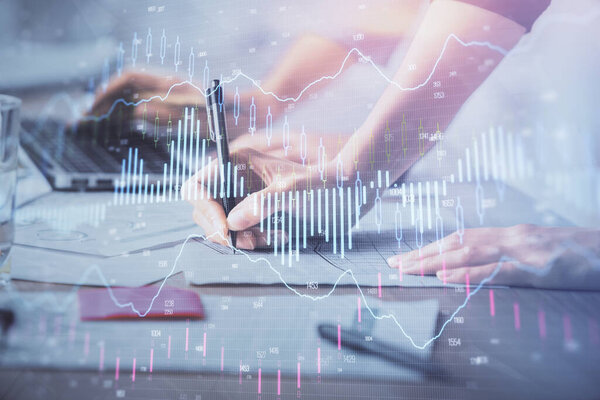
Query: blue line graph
x,y
538,271
141,313
583,19
241,74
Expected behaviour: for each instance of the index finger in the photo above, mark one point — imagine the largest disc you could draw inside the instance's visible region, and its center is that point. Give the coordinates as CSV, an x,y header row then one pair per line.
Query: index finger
x,y
447,243
246,214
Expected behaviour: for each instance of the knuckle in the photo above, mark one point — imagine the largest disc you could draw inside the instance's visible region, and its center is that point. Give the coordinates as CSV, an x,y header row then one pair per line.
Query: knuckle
x,y
454,239
466,254
522,228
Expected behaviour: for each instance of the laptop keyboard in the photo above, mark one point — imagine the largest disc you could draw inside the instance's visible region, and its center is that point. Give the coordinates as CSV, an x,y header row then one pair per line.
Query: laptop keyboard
x,y
52,142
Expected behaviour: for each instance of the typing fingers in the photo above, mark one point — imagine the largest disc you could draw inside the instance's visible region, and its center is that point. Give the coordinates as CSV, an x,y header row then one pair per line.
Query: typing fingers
x,y
123,87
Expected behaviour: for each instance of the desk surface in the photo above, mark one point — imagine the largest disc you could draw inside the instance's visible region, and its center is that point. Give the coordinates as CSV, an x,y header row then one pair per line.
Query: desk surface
x,y
497,357
537,344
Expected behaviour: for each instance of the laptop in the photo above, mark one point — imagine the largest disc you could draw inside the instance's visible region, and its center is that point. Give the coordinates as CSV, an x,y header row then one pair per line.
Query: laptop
x,y
90,156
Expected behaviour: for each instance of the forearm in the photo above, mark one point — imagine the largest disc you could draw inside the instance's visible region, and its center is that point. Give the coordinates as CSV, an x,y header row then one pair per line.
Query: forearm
x,y
294,73
435,79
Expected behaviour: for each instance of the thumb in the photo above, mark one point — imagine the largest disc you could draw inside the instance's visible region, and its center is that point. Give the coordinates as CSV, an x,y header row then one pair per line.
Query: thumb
x,y
248,213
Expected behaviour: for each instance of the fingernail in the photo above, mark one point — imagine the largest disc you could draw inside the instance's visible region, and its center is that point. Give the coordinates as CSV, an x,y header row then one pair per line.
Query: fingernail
x,y
392,262
244,242
235,220
440,275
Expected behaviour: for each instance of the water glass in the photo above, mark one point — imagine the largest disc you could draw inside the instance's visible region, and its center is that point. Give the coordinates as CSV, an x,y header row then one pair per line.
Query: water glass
x,y
9,142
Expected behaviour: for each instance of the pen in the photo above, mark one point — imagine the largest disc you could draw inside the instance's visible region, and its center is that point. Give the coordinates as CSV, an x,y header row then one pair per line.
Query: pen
x,y
355,341
216,123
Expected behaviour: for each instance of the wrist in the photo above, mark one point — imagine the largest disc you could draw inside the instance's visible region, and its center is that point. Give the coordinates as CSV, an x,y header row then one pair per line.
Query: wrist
x,y
371,150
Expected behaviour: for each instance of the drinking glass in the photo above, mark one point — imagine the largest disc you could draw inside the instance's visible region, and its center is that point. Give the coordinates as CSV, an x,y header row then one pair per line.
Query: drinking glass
x,y
9,142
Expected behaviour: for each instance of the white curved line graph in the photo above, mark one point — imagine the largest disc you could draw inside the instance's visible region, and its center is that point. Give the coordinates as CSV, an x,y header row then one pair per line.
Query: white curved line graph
x,y
584,19
241,74
141,314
